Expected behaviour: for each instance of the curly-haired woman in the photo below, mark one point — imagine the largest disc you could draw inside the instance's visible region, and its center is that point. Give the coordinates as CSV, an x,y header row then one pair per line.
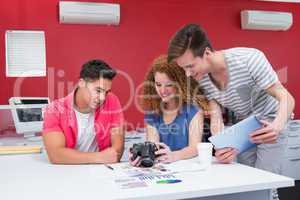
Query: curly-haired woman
x,y
173,107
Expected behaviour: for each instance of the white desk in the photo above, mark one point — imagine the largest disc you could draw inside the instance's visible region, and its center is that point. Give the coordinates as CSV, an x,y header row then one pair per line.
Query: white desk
x,y
32,177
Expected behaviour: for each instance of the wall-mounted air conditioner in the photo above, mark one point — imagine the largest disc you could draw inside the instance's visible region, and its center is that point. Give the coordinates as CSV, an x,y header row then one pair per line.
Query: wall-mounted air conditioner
x,y
266,20
88,13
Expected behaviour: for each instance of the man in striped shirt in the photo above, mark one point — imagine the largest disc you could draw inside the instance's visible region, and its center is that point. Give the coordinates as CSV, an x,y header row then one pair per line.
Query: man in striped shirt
x,y
242,80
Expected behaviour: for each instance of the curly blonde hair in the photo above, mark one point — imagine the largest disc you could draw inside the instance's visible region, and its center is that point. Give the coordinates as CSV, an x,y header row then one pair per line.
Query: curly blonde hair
x,y
187,88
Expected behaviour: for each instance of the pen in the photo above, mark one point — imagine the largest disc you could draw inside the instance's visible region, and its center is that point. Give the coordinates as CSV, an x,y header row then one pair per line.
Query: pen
x,y
109,167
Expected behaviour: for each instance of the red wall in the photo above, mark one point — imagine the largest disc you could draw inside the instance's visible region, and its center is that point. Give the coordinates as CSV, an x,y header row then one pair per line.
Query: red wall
x,y
143,34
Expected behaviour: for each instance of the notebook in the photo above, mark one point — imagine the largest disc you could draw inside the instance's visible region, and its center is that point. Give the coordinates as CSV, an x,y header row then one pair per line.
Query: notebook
x,y
237,136
5,150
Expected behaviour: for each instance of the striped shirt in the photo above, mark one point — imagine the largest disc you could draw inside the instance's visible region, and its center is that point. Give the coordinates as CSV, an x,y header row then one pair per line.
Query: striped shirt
x,y
249,75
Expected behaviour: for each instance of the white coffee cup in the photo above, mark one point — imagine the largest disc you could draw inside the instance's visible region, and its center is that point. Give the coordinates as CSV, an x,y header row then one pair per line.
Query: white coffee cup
x,y
205,154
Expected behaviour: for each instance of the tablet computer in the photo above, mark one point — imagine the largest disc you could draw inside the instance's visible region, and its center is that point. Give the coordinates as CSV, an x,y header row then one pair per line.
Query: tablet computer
x,y
237,136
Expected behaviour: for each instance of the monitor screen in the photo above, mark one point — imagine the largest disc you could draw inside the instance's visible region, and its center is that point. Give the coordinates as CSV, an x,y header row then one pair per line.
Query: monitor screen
x,y
28,119
31,114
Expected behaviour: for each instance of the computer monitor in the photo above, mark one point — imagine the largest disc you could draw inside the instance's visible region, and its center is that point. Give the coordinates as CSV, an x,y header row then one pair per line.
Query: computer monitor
x,y
28,121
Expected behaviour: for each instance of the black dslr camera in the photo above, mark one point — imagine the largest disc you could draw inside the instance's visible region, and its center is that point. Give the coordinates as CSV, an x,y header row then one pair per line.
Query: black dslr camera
x,y
146,151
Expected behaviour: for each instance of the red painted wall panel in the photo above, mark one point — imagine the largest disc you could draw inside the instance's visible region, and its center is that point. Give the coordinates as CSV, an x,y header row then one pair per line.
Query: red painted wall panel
x,y
143,34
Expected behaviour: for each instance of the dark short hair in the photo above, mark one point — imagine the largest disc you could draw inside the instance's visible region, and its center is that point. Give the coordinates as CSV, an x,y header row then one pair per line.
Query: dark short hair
x,y
192,37
96,69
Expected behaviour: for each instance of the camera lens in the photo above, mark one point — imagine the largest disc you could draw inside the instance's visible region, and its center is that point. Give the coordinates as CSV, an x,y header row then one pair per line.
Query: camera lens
x,y
147,162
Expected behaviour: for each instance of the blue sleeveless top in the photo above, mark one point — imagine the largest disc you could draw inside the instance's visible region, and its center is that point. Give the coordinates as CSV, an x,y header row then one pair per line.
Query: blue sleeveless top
x,y
176,133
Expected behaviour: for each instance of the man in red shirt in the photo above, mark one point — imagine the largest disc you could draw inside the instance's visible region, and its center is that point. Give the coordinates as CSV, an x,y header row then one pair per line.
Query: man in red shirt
x,y
87,125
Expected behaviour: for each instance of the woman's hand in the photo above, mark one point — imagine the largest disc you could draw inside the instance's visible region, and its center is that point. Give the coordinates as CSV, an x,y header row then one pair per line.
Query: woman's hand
x,y
136,162
165,154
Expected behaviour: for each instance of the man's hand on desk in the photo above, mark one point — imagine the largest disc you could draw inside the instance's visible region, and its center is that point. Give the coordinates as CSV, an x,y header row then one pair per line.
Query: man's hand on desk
x,y
108,156
226,155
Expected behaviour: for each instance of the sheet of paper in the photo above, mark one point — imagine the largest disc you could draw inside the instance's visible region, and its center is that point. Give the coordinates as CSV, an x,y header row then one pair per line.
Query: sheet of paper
x,y
125,169
237,136
129,177
184,166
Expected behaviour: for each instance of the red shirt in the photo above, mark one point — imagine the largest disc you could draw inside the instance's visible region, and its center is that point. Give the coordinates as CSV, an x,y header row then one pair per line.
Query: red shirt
x,y
60,116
